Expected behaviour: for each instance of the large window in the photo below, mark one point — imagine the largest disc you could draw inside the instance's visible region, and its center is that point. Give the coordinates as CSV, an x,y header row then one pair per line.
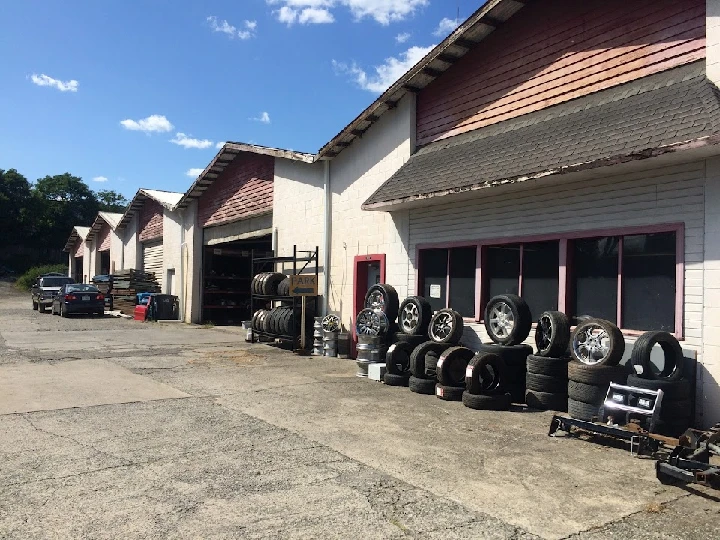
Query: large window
x,y
630,279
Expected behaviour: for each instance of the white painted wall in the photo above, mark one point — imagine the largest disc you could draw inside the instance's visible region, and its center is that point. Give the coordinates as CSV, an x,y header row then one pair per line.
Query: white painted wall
x,y
712,40
132,250
191,258
709,372
117,249
172,235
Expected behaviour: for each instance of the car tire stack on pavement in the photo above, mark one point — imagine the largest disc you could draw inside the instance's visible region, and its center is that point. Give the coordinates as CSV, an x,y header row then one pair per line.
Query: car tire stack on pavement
x,y
546,381
484,383
450,370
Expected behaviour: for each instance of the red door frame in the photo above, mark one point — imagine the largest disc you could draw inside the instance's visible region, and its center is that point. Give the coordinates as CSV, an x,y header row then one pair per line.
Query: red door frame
x,y
360,275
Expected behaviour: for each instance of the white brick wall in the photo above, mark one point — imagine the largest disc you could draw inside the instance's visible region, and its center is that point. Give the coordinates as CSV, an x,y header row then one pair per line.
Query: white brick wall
x,y
131,246
709,371
172,238
191,258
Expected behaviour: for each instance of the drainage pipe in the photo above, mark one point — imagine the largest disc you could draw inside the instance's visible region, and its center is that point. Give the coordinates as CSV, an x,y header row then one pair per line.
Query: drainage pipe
x,y
327,236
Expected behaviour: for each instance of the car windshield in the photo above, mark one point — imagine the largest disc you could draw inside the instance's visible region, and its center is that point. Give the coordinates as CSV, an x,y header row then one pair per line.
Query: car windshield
x,y
55,281
82,288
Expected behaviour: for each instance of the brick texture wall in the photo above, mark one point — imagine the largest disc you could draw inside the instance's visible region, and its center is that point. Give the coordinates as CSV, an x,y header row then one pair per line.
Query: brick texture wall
x,y
103,239
79,248
151,221
244,189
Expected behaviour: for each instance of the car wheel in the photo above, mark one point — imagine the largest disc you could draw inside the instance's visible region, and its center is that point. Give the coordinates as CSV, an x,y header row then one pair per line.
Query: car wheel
x,y
640,357
446,326
35,305
383,297
552,334
507,319
63,314
41,308
597,342
415,314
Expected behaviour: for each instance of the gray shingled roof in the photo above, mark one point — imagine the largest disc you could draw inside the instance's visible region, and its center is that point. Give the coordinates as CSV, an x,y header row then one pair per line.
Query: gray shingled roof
x,y
674,106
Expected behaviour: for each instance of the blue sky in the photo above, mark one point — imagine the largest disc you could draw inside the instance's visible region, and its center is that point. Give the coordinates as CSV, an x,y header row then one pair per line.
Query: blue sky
x,y
101,89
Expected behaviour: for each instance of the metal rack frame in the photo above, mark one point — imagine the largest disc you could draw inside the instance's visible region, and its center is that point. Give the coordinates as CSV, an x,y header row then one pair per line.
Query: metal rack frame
x,y
297,258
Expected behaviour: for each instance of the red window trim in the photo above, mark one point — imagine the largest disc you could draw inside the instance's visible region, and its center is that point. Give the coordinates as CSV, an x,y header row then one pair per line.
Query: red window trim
x,y
565,264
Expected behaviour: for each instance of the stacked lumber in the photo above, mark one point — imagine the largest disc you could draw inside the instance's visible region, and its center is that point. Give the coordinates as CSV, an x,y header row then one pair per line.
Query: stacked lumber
x,y
127,284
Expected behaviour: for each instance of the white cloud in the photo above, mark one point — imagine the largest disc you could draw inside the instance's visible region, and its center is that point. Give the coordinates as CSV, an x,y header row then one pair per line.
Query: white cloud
x,y
385,74
153,123
445,27
187,142
247,30
382,11
100,179
263,118
219,145
194,173
63,86
402,38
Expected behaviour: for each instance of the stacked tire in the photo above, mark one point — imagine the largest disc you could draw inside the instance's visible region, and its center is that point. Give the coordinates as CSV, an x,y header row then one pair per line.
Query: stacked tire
x,y
508,322
267,283
445,329
546,381
596,347
414,316
374,326
485,383
423,366
676,405
450,371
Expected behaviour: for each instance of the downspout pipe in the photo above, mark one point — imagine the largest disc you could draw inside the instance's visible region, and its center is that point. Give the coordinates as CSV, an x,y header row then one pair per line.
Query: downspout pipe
x,y
327,236
183,248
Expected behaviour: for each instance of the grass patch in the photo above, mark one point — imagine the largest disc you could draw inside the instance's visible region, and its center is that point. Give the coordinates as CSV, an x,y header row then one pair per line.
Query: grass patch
x,y
25,282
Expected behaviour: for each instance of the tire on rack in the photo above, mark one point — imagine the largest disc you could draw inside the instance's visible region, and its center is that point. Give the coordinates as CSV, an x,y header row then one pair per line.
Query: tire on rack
x,y
674,360
414,316
485,374
271,282
597,342
597,375
546,383
383,297
582,410
449,393
546,401
397,359
544,365
421,386
391,379
672,390
446,326
452,366
587,393
552,334
508,319
284,287
256,283
497,402
418,358
412,340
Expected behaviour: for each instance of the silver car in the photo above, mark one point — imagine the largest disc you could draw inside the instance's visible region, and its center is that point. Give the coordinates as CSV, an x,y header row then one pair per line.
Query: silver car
x,y
46,288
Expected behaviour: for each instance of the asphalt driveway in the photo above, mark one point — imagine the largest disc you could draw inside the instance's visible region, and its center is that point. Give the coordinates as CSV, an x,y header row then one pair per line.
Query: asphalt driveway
x,y
111,428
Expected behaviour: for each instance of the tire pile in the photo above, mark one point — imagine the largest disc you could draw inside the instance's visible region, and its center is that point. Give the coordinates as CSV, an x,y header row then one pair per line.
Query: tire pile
x,y
546,381
277,321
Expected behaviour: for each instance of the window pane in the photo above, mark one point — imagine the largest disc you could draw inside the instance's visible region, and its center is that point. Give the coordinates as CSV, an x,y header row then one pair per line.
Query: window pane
x,y
462,280
433,276
595,263
648,273
503,270
541,282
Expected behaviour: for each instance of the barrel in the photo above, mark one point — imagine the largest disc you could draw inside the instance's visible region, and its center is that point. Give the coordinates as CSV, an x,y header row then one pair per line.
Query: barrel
x,y
370,349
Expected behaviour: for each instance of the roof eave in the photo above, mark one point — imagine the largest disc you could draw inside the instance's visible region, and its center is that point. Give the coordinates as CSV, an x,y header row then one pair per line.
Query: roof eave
x,y
710,144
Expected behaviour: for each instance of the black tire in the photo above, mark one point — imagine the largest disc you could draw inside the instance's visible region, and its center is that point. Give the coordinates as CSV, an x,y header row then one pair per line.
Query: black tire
x,y
421,386
587,393
675,410
449,393
389,303
485,374
271,282
418,359
581,410
512,355
674,360
396,380
431,362
522,319
552,334
255,283
498,402
283,288
412,340
63,313
42,308
544,365
397,359
615,343
414,316
35,306
546,401
672,390
517,392
546,384
452,365
446,326
597,375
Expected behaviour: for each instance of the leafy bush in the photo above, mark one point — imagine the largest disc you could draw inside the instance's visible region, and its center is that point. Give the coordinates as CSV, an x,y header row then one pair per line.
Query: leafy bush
x,y
25,282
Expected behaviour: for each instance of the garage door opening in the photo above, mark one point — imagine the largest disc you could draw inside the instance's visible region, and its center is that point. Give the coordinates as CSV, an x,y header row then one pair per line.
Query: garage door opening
x,y
104,263
77,270
227,272
153,260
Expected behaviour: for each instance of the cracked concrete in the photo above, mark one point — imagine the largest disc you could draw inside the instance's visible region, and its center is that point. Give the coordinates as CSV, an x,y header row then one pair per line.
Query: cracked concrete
x,y
254,442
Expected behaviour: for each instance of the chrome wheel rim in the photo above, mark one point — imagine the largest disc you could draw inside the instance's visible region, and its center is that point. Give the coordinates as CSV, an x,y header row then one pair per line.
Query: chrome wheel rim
x,y
543,333
331,323
591,344
442,326
371,323
410,317
375,301
502,320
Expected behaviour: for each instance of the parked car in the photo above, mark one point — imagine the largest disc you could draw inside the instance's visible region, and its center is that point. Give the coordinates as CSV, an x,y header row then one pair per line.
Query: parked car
x,y
78,298
46,288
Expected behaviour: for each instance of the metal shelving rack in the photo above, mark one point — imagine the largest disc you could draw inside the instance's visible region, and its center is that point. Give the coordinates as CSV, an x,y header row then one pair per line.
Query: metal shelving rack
x,y
298,258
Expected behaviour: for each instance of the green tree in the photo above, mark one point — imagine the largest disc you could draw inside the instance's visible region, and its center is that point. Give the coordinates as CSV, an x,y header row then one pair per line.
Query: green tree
x,y
111,201
15,197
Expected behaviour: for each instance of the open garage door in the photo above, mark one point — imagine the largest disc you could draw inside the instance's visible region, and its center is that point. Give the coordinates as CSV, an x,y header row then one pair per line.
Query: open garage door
x,y
153,259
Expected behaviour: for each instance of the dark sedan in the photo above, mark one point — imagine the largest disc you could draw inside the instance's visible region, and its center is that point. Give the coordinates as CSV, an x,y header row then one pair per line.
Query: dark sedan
x,y
78,298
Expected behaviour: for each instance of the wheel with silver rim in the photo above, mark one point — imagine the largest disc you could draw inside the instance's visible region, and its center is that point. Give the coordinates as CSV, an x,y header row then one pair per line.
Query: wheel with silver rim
x,y
597,342
415,314
446,326
552,334
331,323
372,323
507,319
383,297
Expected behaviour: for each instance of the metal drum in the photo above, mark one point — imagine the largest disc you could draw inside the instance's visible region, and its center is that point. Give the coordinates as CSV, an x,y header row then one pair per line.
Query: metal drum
x,y
370,349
